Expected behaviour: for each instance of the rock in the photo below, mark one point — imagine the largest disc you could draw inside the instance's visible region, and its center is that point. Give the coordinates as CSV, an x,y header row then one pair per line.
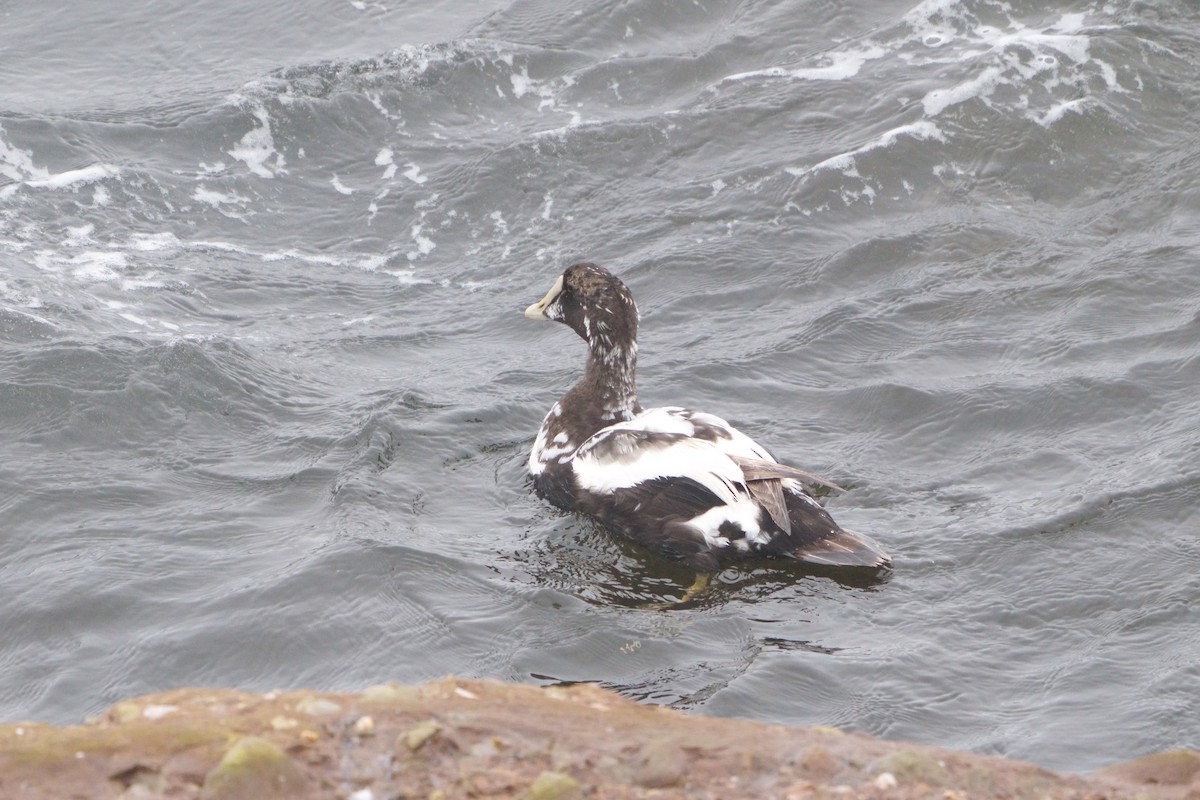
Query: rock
x,y
884,781
659,765
364,726
256,768
158,711
126,711
416,736
317,707
553,786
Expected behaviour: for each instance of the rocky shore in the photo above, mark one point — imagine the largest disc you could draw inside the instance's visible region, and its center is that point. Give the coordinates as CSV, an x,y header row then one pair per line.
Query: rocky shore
x,y
482,739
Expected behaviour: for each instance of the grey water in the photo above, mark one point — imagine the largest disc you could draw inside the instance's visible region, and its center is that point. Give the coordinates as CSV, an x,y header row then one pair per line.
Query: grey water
x,y
266,393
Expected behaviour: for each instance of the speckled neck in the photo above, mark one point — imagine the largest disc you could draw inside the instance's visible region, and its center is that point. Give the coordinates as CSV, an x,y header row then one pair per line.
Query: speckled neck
x,y
611,377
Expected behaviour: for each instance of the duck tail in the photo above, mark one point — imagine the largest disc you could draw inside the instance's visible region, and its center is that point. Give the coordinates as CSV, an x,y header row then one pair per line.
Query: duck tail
x,y
843,548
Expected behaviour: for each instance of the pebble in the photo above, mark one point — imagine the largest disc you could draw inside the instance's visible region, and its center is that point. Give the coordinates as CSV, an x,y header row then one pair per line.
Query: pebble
x,y
416,736
884,780
554,786
660,764
364,726
317,707
158,712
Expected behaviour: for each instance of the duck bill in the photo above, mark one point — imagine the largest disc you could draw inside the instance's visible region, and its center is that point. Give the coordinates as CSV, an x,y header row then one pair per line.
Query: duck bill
x,y
538,309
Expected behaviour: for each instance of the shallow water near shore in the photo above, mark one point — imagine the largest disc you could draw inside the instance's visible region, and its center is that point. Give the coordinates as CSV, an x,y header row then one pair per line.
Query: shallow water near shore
x,y
266,393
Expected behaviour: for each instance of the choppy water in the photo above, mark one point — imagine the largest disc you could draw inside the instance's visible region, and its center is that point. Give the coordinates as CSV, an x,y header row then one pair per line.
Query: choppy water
x,y
266,392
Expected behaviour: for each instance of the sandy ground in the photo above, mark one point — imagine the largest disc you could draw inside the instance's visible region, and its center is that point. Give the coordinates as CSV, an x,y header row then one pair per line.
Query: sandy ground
x,y
466,738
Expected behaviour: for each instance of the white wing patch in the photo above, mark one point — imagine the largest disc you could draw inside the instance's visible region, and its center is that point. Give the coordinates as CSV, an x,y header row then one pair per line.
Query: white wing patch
x,y
542,452
678,457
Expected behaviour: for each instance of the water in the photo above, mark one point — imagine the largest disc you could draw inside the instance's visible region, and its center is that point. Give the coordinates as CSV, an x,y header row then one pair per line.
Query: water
x,y
266,392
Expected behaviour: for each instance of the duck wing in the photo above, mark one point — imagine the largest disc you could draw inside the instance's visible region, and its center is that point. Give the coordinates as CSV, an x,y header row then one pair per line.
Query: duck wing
x,y
764,479
756,469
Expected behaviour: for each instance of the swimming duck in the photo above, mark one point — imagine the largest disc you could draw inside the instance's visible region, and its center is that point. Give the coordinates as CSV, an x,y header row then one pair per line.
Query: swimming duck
x,y
684,483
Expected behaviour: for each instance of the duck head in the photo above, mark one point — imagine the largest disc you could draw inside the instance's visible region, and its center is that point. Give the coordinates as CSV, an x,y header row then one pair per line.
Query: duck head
x,y
594,303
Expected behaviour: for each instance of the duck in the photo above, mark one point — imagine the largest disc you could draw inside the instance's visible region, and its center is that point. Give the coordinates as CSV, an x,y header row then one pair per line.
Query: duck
x,y
680,482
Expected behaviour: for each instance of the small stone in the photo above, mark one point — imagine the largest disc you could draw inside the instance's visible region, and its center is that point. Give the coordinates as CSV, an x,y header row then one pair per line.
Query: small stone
x,y
553,786
364,726
256,768
416,736
467,693
884,781
660,764
158,712
282,723
362,794
317,707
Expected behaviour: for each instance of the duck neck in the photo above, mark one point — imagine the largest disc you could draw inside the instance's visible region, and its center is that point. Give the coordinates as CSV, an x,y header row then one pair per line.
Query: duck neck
x,y
609,385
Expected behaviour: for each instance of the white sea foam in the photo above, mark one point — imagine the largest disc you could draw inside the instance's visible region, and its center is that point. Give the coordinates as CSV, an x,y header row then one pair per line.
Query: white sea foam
x,y
838,66
92,266
413,173
202,194
79,235
153,242
1057,56
84,175
384,159
339,186
17,164
1013,55
922,130
1057,112
257,148
424,244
